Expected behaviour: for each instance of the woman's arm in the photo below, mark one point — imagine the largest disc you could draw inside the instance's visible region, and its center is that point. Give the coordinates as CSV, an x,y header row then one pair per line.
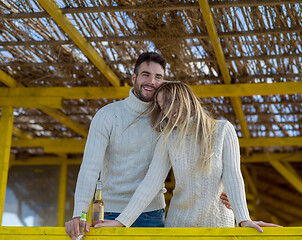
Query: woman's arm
x,y
233,181
231,176
147,190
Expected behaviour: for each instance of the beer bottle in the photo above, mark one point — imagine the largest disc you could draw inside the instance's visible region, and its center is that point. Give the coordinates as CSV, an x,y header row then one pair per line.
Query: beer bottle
x,y
83,220
98,205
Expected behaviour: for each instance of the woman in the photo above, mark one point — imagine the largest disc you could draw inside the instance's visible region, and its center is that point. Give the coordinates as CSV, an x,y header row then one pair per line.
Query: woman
x,y
205,157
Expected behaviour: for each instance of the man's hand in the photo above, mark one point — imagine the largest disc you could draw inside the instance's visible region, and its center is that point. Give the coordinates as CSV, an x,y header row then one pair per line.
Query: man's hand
x,y
257,225
225,200
72,228
109,223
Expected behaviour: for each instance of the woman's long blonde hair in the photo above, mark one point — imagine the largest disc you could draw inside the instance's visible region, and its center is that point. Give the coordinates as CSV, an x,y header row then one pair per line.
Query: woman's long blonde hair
x,y
190,119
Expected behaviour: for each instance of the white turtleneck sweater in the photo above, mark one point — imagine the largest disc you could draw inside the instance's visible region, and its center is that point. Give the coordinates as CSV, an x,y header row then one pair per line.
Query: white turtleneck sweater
x,y
196,197
121,152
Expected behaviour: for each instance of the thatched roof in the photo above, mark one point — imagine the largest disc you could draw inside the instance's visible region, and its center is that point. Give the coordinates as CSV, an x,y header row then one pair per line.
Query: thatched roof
x,y
248,42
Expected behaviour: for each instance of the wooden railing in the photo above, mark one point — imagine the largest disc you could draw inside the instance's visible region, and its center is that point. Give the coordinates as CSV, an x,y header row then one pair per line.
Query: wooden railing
x,y
51,233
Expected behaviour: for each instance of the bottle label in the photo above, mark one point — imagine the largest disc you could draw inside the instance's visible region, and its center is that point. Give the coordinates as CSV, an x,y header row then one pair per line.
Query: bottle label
x,y
97,214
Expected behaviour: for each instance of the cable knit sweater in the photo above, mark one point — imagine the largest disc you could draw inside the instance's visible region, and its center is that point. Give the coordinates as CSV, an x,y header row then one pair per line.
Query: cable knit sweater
x,y
195,201
122,152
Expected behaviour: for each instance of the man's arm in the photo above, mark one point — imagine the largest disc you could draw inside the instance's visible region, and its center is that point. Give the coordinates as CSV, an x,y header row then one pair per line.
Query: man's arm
x,y
96,145
225,200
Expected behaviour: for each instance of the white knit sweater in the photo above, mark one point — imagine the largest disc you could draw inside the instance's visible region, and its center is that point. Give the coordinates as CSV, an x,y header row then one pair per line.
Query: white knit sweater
x,y
122,153
195,201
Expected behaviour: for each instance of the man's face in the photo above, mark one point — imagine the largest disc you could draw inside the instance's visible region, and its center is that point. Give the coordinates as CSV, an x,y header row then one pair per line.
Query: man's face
x,y
150,76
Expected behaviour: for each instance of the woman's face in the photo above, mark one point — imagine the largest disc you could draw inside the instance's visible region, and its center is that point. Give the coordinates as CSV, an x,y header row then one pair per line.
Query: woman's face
x,y
165,106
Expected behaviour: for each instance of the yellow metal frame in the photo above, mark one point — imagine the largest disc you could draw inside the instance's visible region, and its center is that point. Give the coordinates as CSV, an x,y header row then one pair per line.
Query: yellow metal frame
x,y
20,134
287,174
210,25
10,82
67,145
7,79
51,233
6,129
31,102
202,91
62,195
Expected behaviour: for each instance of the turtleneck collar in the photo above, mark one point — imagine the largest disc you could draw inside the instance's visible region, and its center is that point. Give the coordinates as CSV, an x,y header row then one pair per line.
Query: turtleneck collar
x,y
135,105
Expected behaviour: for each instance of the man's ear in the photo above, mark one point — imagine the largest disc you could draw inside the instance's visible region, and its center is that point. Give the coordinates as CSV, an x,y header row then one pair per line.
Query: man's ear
x,y
133,77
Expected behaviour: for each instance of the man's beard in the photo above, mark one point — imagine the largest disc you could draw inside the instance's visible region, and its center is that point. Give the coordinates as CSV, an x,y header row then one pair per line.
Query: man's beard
x,y
139,93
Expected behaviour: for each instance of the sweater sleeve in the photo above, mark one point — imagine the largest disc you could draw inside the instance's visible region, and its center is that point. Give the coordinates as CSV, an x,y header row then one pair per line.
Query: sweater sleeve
x,y
149,187
231,176
96,145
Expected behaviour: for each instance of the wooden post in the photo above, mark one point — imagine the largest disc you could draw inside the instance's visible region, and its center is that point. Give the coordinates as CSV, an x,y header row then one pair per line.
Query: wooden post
x,y
6,130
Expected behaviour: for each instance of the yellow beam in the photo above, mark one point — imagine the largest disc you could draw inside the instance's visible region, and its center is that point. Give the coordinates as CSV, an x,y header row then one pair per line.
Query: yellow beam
x,y
62,194
77,145
212,31
237,108
262,157
291,169
263,142
248,178
46,161
79,148
7,79
6,129
54,113
287,174
282,206
231,90
31,102
53,145
255,158
78,128
55,12
20,134
52,233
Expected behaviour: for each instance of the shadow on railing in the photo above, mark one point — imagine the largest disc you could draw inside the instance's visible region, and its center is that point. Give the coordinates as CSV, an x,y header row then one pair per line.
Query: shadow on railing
x,y
51,233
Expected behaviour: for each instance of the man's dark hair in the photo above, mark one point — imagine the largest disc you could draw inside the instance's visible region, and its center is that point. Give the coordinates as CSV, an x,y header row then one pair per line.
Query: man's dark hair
x,y
149,57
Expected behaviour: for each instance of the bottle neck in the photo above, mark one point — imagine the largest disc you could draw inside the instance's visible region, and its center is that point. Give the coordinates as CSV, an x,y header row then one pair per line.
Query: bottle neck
x,y
98,195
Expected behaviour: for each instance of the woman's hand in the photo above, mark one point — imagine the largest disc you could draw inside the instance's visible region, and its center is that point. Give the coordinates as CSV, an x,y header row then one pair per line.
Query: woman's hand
x,y
109,223
257,225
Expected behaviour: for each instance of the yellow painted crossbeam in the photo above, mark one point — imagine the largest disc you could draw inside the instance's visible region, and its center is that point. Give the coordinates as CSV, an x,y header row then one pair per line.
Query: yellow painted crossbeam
x,y
7,79
262,157
46,161
255,158
6,129
263,142
66,145
51,233
231,90
56,13
78,128
287,174
50,111
212,31
20,134
31,102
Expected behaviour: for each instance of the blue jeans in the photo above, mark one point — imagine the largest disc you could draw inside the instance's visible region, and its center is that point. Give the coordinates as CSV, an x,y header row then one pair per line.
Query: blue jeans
x,y
146,219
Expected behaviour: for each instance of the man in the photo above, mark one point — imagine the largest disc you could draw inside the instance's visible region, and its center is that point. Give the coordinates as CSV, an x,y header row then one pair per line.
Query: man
x,y
120,146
